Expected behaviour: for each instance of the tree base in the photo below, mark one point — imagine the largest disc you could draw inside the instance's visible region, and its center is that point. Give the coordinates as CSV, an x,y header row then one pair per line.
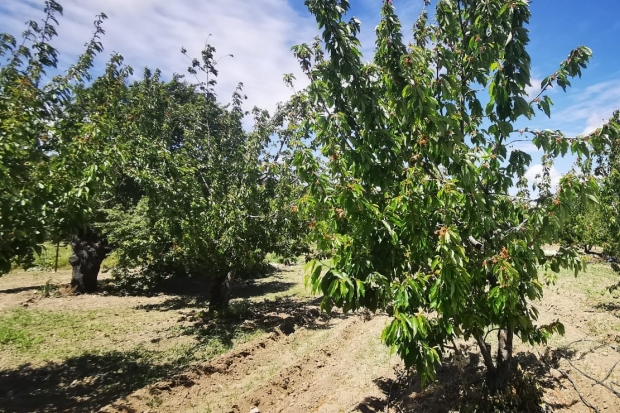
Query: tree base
x,y
89,251
220,292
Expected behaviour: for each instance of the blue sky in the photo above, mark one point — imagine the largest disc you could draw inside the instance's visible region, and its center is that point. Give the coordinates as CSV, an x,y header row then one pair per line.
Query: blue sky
x,y
260,33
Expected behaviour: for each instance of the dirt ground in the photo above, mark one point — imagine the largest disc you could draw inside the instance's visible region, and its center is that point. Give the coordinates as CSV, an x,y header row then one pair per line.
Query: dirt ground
x,y
275,353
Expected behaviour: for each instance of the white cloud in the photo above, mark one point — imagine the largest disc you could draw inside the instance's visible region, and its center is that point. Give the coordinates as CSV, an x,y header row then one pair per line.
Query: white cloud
x,y
534,175
594,106
526,147
534,89
259,33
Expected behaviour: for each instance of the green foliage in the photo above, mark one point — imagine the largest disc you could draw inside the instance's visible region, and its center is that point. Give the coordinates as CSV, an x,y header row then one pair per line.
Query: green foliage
x,y
606,166
161,169
587,225
409,168
209,197
51,156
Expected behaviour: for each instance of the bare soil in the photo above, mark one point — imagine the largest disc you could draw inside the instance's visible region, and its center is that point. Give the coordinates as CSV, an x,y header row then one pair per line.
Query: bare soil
x,y
299,360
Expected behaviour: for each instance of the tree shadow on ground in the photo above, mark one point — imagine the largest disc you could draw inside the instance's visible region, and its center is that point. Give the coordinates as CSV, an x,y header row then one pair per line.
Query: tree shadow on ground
x,y
406,392
256,288
611,307
282,315
79,384
17,290
525,393
199,297
194,292
95,379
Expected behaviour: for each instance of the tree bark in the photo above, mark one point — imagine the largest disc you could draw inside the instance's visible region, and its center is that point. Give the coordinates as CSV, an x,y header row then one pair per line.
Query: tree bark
x,y
485,349
56,260
499,374
89,250
504,358
220,291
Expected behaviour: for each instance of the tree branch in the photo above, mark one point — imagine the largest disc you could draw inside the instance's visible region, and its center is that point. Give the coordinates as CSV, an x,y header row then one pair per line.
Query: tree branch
x,y
486,354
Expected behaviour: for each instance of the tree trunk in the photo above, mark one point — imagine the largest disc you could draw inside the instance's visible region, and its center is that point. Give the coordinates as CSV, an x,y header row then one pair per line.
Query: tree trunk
x,y
56,260
220,291
499,374
485,349
504,358
89,250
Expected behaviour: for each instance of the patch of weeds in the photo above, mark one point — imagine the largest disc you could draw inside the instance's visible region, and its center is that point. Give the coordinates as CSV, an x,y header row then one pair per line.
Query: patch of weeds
x,y
154,402
36,335
594,282
217,336
49,289
13,334
46,261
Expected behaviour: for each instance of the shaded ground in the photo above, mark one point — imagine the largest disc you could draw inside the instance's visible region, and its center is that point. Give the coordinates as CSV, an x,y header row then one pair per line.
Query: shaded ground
x,y
79,353
275,351
327,366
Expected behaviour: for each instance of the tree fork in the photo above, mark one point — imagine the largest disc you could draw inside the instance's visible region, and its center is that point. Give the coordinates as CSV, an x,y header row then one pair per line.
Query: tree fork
x,y
485,349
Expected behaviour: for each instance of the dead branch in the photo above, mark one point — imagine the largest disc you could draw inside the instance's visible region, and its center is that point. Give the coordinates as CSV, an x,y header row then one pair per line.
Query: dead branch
x,y
612,369
567,377
614,391
587,403
611,389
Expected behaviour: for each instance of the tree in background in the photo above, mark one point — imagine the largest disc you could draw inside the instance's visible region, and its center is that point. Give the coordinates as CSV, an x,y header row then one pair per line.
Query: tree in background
x,y
158,170
606,167
409,195
587,226
215,198
46,140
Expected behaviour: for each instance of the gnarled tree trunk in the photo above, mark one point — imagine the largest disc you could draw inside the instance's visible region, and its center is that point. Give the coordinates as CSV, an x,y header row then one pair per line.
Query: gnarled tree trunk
x,y
499,374
220,291
89,250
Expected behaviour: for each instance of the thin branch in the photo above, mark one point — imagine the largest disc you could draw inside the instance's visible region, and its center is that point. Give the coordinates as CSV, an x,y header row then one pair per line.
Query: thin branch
x,y
610,371
567,377
549,83
614,391
488,360
583,399
489,332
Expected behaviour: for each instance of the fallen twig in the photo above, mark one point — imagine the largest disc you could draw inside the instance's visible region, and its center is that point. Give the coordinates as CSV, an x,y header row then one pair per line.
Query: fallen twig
x,y
614,391
583,340
612,369
587,403
567,377
611,389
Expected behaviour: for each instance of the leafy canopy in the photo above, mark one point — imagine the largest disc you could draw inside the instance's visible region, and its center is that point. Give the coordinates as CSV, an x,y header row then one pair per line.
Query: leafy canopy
x,y
415,191
161,168
46,139
213,198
